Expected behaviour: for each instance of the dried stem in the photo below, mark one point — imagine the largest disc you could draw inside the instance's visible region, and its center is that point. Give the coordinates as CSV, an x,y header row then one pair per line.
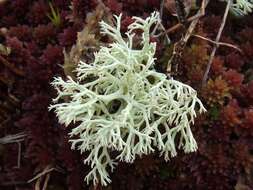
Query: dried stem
x,y
19,154
13,138
218,43
46,181
179,46
200,13
216,40
47,170
37,184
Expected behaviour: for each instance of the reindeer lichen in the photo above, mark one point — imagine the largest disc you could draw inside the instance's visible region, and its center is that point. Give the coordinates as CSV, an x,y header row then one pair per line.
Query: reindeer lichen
x,y
241,7
120,103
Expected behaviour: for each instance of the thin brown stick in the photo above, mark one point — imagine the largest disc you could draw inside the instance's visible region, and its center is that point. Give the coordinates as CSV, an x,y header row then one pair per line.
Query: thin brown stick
x,y
179,46
218,43
46,181
37,184
202,10
13,138
216,40
200,13
2,1
47,170
19,155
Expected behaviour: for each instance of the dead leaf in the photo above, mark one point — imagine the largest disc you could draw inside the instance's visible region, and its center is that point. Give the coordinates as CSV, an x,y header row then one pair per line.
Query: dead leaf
x,y
88,40
4,50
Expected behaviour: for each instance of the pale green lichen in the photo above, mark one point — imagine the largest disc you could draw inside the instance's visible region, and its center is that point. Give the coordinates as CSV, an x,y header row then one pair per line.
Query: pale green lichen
x,y
241,7
120,103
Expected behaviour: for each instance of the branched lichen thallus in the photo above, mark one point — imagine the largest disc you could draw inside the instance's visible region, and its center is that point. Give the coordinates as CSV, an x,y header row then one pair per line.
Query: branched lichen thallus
x,y
128,107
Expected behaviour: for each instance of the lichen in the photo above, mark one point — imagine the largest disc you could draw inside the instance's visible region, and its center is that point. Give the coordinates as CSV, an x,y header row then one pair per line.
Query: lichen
x,y
242,7
120,103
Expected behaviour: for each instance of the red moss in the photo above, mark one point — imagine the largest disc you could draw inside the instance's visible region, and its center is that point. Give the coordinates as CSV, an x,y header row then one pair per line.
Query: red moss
x,y
234,61
248,50
19,54
79,9
247,93
242,155
33,48
126,22
248,119
224,134
52,55
233,78
217,66
146,165
246,34
20,8
212,24
22,32
194,61
9,20
114,5
44,34
216,91
230,114
68,37
38,12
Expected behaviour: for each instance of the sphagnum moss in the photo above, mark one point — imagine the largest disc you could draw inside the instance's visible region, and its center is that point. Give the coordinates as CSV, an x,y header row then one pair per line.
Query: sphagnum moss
x,y
128,107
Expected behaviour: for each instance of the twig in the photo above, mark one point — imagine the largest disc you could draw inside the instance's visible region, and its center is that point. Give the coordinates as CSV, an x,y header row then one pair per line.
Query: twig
x,y
190,19
216,40
39,175
13,99
19,154
46,181
37,184
12,138
172,65
17,138
218,43
2,1
48,169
